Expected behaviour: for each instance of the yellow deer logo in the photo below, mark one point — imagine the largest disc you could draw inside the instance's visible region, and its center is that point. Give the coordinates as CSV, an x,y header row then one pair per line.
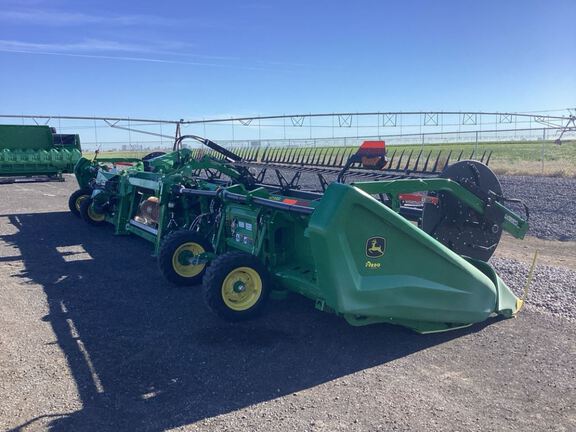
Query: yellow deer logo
x,y
375,247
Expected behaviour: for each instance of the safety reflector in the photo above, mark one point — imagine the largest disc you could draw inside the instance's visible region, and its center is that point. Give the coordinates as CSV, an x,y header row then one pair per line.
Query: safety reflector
x,y
418,197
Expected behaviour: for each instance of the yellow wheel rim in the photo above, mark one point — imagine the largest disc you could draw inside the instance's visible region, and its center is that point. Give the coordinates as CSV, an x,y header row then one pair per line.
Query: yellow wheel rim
x,y
96,217
79,201
180,257
242,288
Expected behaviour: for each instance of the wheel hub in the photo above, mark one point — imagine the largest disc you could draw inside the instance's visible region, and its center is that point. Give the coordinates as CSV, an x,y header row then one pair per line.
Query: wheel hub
x,y
239,287
242,288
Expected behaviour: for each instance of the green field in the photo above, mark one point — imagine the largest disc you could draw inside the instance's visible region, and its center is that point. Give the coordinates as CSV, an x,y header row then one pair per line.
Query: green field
x,y
516,158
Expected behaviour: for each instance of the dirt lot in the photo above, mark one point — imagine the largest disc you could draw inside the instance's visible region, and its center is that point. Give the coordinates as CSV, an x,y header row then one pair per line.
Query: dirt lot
x,y
91,338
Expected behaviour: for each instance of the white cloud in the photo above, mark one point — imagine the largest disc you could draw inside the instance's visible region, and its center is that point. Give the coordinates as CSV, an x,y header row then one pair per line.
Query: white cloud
x,y
40,17
131,59
97,46
86,45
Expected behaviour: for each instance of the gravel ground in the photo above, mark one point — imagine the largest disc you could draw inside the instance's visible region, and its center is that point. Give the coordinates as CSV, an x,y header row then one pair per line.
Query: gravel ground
x,y
91,338
552,289
552,204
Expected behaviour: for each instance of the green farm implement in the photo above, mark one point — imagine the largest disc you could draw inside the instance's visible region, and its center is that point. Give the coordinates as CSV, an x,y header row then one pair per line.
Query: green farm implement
x,y
27,152
407,249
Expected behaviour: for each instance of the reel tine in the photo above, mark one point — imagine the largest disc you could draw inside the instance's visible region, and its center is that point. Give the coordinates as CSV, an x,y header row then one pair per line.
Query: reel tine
x,y
316,156
489,156
339,162
289,154
391,161
324,154
471,155
321,153
281,155
435,168
447,160
310,157
336,156
483,155
263,157
284,155
408,161
326,157
329,156
343,157
297,155
278,155
350,153
400,160
426,162
417,161
273,154
293,155
294,158
461,153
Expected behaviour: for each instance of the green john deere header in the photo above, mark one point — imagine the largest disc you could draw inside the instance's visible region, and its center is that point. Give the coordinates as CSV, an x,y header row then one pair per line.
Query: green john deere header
x,y
406,248
27,151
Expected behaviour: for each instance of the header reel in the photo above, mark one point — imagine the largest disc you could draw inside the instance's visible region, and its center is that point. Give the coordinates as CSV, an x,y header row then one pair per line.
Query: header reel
x,y
459,227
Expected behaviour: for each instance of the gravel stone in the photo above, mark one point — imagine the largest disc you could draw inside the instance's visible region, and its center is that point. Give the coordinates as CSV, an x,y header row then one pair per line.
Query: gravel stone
x,y
551,201
552,288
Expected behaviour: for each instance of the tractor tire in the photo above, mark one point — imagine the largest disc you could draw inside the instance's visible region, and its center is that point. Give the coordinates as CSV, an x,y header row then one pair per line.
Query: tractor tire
x,y
76,199
177,245
236,286
88,214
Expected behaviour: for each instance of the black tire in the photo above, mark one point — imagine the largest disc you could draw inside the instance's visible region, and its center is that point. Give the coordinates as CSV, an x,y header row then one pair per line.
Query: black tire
x,y
173,245
76,199
232,305
88,214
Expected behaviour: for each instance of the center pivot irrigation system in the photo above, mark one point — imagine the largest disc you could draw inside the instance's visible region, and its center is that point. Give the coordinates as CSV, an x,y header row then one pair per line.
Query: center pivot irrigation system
x,y
403,246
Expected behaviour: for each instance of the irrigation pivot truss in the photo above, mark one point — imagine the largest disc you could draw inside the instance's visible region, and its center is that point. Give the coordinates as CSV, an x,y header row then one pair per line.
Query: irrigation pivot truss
x,y
415,140
314,130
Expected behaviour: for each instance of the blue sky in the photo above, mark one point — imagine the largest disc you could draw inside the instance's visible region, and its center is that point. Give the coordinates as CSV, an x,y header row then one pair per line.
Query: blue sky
x,y
194,59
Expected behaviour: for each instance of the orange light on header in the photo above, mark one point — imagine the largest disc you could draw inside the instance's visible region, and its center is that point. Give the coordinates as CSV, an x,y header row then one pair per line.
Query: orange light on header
x,y
373,145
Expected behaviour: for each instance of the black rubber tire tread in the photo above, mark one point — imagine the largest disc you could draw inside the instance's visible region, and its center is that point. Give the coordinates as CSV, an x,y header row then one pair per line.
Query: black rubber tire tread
x,y
84,213
75,195
217,272
169,245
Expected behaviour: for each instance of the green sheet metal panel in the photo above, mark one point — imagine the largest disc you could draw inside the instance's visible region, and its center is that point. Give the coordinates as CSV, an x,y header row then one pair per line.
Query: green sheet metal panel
x,y
374,264
20,137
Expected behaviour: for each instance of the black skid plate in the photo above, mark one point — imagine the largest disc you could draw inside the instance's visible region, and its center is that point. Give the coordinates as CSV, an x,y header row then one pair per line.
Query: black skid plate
x,y
456,225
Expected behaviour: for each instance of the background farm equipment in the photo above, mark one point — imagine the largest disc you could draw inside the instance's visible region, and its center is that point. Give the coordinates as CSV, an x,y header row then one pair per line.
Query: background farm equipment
x,y
144,199
358,250
27,151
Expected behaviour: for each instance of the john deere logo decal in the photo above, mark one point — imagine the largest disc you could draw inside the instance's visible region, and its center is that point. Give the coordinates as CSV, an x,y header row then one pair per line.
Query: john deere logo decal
x,y
375,247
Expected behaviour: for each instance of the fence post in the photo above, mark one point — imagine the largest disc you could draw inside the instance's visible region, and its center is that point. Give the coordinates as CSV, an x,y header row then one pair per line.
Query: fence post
x,y
476,145
542,152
